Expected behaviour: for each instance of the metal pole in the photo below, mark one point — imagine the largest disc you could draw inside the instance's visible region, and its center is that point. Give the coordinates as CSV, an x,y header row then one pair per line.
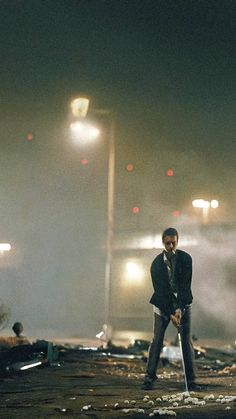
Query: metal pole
x,y
205,213
182,356
110,219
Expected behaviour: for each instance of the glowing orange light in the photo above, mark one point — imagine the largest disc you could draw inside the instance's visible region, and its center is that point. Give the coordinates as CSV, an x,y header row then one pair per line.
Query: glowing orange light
x,y
130,167
175,213
30,136
170,172
135,210
84,162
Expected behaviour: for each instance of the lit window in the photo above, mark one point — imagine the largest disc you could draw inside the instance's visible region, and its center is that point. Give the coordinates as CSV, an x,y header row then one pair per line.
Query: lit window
x,y
5,247
134,273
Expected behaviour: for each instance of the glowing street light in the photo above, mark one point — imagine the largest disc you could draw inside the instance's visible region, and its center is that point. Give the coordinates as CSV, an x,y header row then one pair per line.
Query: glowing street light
x,y
79,107
214,203
200,203
134,273
84,132
205,205
5,247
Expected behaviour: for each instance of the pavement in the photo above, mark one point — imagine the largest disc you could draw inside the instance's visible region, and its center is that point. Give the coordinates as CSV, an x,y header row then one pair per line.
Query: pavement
x,y
87,383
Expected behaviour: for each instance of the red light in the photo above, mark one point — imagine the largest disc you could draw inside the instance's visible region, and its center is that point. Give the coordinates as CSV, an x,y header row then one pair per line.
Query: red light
x,y
84,162
29,136
170,172
130,167
175,213
135,210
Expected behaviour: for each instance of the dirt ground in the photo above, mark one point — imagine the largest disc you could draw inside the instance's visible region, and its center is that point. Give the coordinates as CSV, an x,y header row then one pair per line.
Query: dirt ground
x,y
86,384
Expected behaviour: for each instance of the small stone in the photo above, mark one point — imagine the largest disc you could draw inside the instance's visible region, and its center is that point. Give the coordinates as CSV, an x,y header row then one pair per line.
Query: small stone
x,y
201,403
194,400
87,407
230,398
209,397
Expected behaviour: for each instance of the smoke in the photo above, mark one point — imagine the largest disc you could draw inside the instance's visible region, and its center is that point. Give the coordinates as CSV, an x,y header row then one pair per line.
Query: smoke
x,y
214,268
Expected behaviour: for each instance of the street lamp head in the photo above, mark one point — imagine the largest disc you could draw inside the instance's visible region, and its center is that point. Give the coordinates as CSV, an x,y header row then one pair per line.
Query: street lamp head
x,y
200,203
79,107
214,203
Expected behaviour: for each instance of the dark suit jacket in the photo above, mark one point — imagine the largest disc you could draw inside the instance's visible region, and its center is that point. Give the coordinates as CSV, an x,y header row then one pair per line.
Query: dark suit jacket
x,y
163,297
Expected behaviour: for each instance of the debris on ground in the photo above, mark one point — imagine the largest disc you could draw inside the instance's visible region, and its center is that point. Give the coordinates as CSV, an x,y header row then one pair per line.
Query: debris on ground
x,y
106,383
22,357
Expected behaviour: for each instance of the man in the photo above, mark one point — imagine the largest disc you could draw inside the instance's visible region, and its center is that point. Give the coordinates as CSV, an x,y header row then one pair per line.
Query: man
x,y
171,273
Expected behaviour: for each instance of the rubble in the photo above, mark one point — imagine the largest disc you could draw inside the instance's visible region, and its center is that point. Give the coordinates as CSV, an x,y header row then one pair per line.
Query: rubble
x,y
22,357
228,370
97,382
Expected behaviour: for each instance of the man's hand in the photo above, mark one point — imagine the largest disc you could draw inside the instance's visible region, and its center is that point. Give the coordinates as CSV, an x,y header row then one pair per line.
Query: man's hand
x,y
176,318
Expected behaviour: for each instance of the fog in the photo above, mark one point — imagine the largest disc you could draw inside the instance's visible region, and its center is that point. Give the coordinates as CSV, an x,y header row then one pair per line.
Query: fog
x,y
214,283
54,214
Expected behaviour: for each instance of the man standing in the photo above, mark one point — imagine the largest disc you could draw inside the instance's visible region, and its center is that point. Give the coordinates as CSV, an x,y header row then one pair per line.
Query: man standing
x,y
171,273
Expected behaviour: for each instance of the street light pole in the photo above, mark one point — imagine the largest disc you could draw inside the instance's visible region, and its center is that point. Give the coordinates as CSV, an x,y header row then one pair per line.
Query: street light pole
x,y
110,217
110,220
80,108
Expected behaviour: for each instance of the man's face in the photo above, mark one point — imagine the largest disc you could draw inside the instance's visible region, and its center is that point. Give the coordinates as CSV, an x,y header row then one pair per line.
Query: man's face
x,y
170,243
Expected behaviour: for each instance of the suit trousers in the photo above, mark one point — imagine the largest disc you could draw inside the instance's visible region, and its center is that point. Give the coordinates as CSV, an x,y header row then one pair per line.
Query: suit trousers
x,y
160,325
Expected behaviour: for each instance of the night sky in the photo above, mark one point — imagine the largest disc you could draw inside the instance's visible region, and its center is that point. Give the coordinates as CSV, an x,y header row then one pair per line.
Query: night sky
x,y
167,70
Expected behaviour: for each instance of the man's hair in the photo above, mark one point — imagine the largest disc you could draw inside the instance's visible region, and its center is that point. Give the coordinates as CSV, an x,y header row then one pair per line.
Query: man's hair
x,y
170,232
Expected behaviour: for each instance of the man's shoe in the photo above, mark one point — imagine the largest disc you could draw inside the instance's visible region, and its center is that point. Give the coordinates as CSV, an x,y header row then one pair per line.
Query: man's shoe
x,y
148,382
194,387
147,385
